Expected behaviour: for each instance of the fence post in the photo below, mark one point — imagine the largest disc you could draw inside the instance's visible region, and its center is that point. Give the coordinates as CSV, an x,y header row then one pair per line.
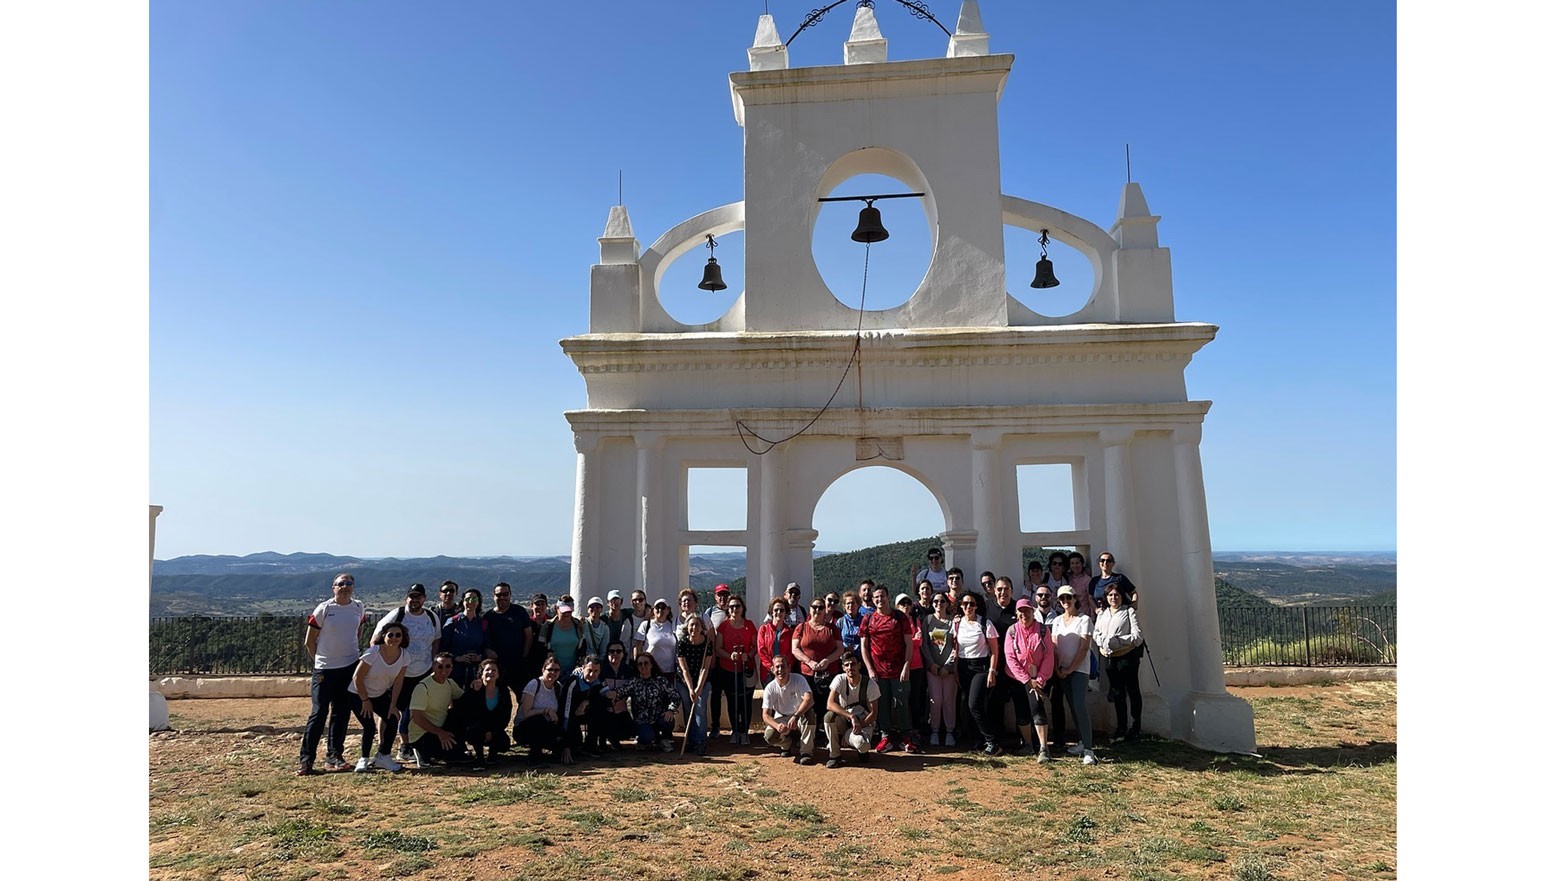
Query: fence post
x,y
1308,661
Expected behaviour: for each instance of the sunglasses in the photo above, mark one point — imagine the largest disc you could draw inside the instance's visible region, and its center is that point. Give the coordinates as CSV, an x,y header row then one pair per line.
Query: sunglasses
x,y
614,651
501,596
448,591
1066,599
343,584
391,633
968,605
1043,596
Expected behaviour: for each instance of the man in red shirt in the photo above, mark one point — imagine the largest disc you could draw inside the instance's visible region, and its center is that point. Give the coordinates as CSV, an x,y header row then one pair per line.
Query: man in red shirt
x,y
885,641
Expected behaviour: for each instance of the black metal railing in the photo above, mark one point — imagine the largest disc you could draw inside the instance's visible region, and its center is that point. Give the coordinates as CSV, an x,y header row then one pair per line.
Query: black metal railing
x,y
1309,636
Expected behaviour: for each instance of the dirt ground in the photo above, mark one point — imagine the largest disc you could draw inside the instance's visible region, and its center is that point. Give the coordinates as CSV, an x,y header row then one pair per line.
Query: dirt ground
x,y
1318,803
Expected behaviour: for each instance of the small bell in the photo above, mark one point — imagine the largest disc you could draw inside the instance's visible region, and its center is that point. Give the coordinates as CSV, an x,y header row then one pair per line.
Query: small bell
x,y
713,279
1043,274
870,230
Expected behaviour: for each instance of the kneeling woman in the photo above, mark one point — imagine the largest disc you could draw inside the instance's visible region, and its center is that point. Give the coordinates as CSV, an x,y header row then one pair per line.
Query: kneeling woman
x,y
374,691
537,725
484,711
654,703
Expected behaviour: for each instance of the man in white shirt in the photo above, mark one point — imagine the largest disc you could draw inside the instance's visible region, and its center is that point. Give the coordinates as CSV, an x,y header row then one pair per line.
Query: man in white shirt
x,y
332,640
787,705
852,708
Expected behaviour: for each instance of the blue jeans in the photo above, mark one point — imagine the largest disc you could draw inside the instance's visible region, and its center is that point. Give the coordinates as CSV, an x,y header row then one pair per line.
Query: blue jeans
x,y
329,693
1075,690
697,730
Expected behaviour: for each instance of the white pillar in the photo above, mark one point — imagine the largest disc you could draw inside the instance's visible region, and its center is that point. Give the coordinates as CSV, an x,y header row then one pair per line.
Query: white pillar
x,y
1196,563
799,562
155,511
651,518
1120,531
959,546
987,504
764,583
583,559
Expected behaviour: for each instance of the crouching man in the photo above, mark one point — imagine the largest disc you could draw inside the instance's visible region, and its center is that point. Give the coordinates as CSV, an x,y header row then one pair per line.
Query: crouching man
x,y
851,711
429,734
787,711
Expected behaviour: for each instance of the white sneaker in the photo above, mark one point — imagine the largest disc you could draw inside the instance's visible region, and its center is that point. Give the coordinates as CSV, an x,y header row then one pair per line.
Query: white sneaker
x,y
385,762
362,765
1089,758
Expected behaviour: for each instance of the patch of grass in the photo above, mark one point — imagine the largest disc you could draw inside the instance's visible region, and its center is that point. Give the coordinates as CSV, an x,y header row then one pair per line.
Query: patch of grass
x,y
301,837
1081,830
1253,867
805,813
541,788
1228,802
408,864
532,840
912,833
587,821
630,794
709,873
172,821
1381,866
329,803
765,792
394,840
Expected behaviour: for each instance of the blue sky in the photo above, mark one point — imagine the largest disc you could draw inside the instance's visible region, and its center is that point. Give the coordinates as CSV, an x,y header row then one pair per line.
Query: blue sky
x,y
370,224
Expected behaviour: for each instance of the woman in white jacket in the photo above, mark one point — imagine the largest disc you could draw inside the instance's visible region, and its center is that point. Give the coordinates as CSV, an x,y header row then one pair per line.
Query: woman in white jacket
x,y
1120,641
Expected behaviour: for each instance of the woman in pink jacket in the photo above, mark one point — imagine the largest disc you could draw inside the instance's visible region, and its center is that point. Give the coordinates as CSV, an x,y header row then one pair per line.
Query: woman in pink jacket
x,y
1031,661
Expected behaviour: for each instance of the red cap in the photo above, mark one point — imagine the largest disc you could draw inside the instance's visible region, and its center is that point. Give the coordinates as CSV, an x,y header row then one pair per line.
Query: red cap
x,y
721,588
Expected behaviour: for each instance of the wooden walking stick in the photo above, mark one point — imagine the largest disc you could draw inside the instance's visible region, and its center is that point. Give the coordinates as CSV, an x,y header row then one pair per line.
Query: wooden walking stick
x,y
686,733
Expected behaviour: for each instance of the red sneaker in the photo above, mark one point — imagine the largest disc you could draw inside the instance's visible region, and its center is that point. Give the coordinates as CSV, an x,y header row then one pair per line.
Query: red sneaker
x,y
911,746
885,745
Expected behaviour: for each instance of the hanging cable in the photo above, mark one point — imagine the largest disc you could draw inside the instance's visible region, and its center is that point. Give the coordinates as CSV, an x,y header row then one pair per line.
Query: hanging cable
x,y
745,430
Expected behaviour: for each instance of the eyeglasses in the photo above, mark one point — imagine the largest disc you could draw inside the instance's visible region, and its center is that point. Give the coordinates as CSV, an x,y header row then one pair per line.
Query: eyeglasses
x,y
343,584
614,651
939,601
391,633
1107,559
967,604
1065,599
501,596
1043,596
736,606
447,590
952,578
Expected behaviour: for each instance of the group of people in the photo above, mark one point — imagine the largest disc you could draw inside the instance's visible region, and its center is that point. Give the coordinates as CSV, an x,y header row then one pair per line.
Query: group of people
x,y
860,672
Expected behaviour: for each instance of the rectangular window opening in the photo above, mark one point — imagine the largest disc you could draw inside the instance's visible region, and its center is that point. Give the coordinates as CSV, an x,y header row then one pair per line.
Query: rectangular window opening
x,y
1046,497
716,498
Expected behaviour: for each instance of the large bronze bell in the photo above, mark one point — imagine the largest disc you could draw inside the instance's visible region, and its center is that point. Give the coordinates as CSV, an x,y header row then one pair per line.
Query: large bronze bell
x,y
713,279
1043,275
870,230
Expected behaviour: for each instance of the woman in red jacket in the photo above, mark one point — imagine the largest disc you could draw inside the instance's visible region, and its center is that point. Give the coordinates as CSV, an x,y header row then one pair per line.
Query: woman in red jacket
x,y
775,637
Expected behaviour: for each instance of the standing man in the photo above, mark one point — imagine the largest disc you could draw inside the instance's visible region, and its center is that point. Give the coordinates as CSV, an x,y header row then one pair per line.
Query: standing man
x,y
619,623
423,627
1044,613
934,573
332,641
450,603
885,639
509,638
788,712
866,597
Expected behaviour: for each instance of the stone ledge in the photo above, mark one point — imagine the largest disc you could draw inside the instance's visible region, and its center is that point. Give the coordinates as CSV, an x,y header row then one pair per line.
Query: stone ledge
x,y
1249,676
185,687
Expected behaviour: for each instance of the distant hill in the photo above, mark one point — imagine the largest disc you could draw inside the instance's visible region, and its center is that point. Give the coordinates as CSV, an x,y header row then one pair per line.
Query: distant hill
x,y
1299,585
283,584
